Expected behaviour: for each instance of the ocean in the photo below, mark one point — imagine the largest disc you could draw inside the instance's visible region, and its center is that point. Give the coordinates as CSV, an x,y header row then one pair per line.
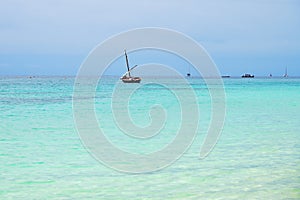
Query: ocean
x,y
257,156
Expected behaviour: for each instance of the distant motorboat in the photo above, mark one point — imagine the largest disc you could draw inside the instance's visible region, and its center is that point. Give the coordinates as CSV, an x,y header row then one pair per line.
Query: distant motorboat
x,y
247,76
189,73
127,78
225,76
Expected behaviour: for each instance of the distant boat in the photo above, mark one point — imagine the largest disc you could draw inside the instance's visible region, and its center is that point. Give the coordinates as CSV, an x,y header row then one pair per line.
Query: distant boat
x,y
127,78
225,76
286,73
270,75
247,76
189,73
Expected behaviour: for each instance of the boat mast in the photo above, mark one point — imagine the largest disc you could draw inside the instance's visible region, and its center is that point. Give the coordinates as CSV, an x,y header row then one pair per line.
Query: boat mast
x,y
286,74
127,63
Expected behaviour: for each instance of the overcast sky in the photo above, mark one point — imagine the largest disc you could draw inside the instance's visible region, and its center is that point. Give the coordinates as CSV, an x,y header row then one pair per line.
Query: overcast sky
x,y
52,37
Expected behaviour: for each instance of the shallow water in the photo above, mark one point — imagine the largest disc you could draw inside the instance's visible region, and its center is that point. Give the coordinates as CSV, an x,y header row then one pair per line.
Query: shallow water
x,y
256,157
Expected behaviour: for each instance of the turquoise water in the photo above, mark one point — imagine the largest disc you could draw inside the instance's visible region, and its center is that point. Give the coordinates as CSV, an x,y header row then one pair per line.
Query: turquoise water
x,y
256,157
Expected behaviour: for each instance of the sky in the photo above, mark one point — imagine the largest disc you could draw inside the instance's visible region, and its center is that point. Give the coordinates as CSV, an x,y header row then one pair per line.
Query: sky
x,y
53,37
